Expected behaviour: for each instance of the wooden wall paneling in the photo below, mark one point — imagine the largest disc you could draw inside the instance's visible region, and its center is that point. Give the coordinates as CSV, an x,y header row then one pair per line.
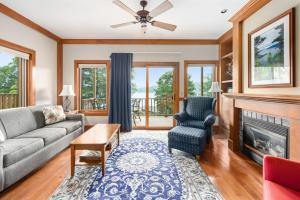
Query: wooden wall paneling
x,y
143,41
30,81
226,36
237,57
294,139
27,22
59,72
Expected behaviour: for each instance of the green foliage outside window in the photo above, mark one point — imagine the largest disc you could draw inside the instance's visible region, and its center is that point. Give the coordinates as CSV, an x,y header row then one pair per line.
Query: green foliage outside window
x,y
9,77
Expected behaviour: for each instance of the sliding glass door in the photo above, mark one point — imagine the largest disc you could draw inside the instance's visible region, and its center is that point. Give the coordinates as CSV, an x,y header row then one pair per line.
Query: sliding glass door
x,y
154,95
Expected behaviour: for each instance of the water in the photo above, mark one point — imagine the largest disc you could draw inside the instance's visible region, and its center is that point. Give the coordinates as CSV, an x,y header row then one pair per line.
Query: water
x,y
142,95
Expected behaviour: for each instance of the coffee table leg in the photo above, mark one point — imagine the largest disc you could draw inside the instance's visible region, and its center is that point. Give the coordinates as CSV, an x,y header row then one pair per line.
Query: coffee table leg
x,y
103,160
72,160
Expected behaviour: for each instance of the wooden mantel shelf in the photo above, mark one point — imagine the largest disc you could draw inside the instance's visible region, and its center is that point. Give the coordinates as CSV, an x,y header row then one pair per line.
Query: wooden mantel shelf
x,y
287,99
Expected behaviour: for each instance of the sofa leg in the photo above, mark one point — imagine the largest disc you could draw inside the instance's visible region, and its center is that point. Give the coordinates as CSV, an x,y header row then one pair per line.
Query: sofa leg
x,y
198,157
170,150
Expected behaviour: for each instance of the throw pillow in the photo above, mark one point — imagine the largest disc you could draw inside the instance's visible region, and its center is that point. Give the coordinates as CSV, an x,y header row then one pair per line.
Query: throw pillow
x,y
53,114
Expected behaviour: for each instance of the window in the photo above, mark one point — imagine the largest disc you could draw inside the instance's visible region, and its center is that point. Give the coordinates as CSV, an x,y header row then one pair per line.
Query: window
x,y
199,77
13,79
93,87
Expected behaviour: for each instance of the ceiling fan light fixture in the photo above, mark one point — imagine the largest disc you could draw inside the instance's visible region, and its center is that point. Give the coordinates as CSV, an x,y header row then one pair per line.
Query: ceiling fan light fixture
x,y
144,28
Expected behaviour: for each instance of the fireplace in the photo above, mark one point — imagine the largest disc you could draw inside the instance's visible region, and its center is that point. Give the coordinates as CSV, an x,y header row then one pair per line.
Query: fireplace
x,y
263,135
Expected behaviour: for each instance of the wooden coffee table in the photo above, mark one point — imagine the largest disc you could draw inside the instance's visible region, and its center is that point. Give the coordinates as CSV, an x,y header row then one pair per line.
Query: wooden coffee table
x,y
97,138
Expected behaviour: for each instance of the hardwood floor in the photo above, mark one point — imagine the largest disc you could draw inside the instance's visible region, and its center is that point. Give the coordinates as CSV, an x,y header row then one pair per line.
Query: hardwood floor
x,y
234,175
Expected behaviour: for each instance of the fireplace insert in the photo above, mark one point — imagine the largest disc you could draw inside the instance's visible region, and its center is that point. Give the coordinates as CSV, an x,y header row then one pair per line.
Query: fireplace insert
x,y
261,137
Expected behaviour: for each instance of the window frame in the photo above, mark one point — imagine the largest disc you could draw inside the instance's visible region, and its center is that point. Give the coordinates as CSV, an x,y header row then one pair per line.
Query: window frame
x,y
30,71
199,62
77,87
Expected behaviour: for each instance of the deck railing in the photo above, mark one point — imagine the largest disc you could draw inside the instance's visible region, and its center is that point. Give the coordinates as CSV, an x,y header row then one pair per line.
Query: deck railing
x,y
8,101
93,104
156,106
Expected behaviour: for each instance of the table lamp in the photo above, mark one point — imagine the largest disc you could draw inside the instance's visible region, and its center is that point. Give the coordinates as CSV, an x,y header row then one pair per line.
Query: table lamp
x,y
215,88
67,92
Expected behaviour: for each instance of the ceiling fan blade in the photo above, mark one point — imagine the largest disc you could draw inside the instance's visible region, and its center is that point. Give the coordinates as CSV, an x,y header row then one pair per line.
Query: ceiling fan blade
x,y
163,25
124,7
163,7
122,24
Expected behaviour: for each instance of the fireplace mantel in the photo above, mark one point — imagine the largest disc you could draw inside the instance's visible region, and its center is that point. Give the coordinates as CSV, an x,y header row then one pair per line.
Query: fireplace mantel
x,y
286,106
288,99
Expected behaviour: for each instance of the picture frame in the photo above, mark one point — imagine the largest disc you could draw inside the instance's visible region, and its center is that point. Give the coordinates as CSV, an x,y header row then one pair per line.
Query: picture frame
x,y
271,53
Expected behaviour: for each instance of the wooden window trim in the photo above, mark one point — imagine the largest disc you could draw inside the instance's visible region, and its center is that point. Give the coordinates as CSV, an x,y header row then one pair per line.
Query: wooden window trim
x,y
200,62
77,86
30,78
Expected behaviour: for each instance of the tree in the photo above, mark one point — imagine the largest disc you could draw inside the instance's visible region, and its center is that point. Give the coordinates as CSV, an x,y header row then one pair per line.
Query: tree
x,y
191,86
9,77
164,93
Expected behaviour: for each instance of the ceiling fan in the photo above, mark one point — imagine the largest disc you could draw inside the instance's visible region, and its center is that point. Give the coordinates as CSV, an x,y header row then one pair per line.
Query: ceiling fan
x,y
145,17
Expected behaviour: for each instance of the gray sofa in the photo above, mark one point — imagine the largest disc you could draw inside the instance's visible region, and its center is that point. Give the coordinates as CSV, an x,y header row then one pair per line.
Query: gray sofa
x,y
30,143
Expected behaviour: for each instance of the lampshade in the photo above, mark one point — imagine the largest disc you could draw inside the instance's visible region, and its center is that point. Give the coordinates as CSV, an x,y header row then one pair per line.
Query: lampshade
x,y
67,91
215,87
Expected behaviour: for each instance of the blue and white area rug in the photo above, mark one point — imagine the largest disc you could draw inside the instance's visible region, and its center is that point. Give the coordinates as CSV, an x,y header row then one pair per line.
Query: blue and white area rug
x,y
141,168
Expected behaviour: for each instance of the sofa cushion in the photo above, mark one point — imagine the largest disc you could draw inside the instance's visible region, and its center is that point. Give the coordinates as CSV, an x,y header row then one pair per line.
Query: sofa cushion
x,y
49,135
275,191
38,114
17,121
15,150
53,114
193,124
69,125
187,135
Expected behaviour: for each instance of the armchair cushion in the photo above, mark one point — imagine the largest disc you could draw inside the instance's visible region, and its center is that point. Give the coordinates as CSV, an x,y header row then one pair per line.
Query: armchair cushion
x,y
275,191
193,124
282,171
196,107
181,117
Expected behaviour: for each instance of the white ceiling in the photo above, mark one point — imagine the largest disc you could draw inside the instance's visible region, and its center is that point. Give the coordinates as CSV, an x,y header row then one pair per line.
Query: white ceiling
x,y
195,19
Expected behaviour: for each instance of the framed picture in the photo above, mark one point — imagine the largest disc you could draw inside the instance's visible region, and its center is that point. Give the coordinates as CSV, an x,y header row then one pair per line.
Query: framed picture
x,y
271,53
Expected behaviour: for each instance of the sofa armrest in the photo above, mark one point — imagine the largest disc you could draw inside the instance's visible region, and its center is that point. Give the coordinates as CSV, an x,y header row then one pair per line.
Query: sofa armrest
x,y
282,171
181,117
1,170
76,117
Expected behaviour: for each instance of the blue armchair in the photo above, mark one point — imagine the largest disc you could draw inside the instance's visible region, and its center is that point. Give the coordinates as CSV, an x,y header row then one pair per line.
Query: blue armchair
x,y
198,112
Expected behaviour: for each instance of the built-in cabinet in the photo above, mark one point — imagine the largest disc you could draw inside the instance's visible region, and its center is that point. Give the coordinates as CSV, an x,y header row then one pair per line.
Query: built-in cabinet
x,y
226,82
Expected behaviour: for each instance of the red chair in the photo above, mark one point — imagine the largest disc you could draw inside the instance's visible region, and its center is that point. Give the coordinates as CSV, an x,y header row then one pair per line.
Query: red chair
x,y
281,179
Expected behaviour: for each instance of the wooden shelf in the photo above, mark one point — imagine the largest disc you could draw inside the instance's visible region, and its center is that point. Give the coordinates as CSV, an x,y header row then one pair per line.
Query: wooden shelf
x,y
227,81
229,55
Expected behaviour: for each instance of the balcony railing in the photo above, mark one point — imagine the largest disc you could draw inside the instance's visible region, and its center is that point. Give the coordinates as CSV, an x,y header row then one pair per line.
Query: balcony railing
x,y
9,101
156,106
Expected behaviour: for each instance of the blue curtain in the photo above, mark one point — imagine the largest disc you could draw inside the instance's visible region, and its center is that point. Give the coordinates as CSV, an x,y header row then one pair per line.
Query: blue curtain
x,y
120,90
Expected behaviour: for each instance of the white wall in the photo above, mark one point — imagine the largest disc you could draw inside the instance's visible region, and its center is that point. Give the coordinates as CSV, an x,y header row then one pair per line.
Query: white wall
x,y
46,56
268,12
168,53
